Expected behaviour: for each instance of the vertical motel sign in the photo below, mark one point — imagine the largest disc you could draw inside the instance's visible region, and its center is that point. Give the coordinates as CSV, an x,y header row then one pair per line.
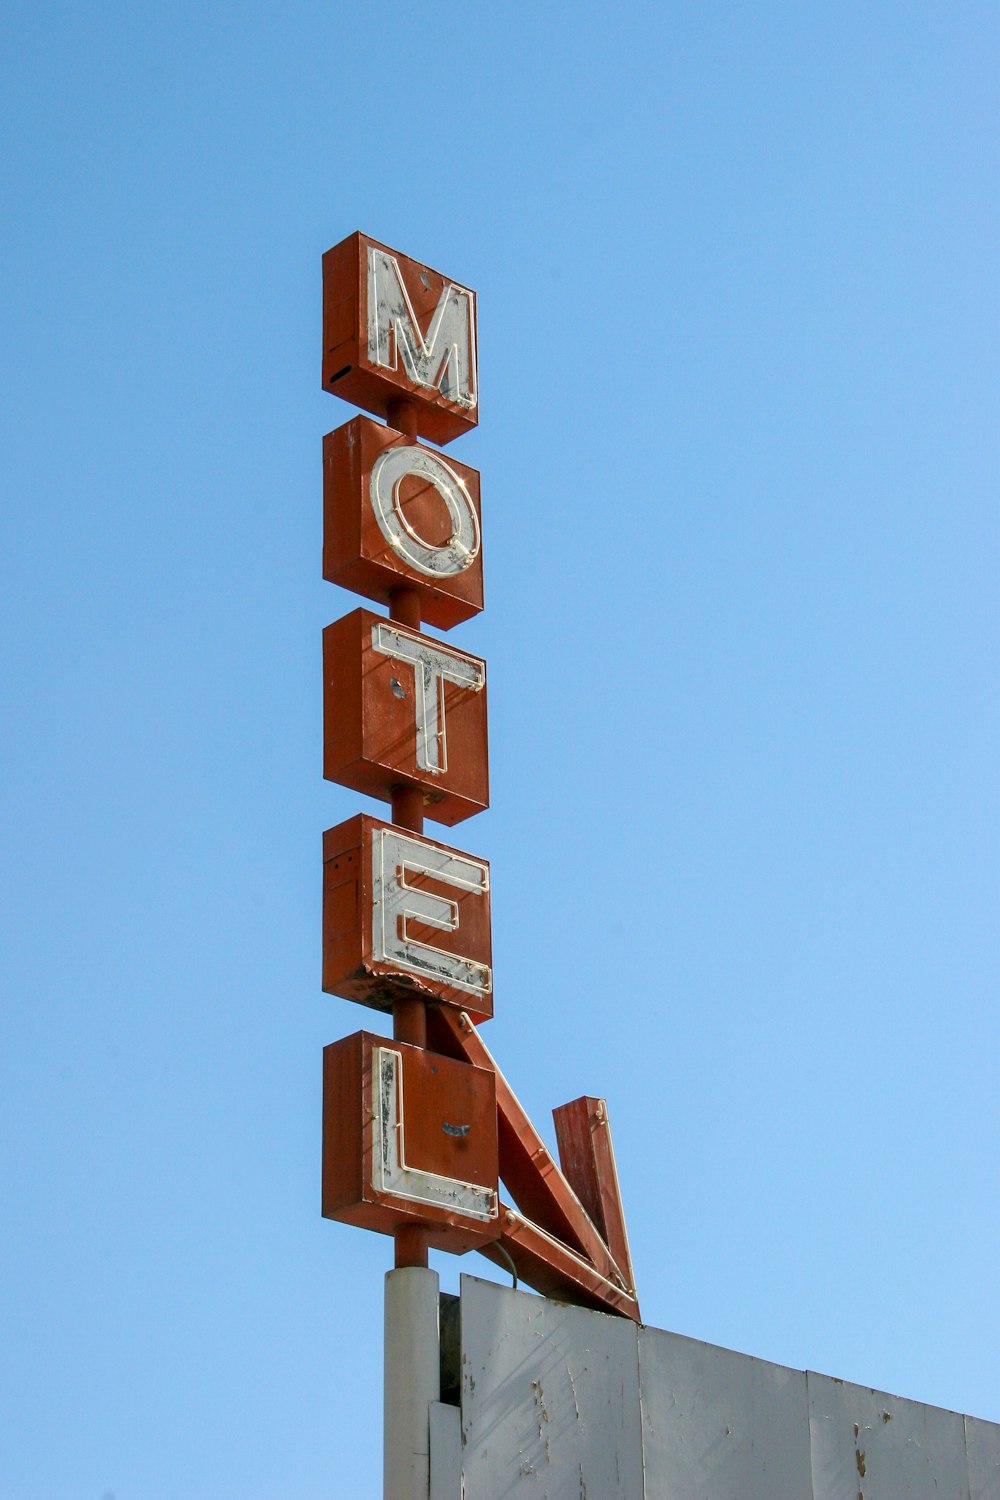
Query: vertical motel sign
x,y
420,1129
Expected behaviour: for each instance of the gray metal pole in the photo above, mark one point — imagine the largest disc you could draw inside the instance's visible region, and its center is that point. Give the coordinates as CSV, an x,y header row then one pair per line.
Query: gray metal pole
x,y
412,1380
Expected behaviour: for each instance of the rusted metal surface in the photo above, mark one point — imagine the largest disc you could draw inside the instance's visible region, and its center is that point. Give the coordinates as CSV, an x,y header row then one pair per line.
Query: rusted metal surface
x,y
401,708
868,1443
408,808
409,1141
397,514
394,329
548,1264
412,1244
404,417
552,1241
404,918
406,921
404,606
587,1158
409,1022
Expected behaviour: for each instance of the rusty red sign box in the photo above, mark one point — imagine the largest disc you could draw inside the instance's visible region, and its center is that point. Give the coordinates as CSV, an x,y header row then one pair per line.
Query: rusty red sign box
x,y
393,330
399,514
400,708
430,1161
419,1130
404,917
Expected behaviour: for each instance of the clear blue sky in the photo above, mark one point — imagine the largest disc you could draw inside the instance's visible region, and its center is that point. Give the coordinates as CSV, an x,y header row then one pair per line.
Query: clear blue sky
x,y
738,328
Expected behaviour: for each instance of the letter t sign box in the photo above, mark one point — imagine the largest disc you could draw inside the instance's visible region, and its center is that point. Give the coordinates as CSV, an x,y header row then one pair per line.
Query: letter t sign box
x,y
400,708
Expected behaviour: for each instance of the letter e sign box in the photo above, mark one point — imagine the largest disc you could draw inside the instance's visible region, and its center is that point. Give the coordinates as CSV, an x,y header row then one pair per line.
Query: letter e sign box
x,y
409,1136
403,917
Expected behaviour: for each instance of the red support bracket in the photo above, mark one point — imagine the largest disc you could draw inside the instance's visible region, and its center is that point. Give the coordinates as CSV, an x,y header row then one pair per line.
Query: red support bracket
x,y
556,1245
552,1268
587,1157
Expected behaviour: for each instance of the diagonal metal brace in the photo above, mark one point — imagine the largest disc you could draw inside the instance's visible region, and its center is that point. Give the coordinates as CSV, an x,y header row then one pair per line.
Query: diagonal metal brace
x,y
553,1241
553,1269
587,1157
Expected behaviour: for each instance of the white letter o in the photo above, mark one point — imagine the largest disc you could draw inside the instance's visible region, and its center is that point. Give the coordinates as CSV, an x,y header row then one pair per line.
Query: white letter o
x,y
460,551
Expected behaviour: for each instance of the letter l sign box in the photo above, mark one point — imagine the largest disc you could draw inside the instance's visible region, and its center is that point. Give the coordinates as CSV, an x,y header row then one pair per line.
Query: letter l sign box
x,y
409,1135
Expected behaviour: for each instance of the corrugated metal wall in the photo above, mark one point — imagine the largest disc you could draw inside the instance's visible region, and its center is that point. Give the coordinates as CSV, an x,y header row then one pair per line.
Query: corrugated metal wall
x,y
558,1403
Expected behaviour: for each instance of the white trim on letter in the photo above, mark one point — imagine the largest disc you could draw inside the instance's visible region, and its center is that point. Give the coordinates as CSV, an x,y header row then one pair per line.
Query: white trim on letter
x,y
446,359
433,665
393,902
390,1173
443,560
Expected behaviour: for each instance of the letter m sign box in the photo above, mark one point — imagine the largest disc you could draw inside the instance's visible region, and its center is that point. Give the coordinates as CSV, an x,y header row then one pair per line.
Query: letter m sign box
x,y
393,330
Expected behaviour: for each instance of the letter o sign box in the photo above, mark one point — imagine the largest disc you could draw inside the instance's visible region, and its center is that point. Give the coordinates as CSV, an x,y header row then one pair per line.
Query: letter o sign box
x,y
399,514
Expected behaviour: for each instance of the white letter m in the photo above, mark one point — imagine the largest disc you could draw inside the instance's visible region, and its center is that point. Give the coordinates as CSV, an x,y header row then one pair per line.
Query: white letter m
x,y
446,359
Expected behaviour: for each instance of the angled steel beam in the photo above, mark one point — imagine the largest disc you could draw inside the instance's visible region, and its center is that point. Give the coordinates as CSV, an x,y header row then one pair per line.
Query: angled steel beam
x,y
553,1269
587,1157
555,1230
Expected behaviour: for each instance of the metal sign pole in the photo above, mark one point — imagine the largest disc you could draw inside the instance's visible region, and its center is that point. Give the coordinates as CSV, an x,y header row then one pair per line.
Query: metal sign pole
x,y
412,1380
411,1377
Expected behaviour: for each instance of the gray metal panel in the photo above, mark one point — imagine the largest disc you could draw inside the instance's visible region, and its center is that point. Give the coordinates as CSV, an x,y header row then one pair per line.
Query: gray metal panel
x,y
550,1399
446,1452
559,1403
982,1446
882,1447
721,1426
